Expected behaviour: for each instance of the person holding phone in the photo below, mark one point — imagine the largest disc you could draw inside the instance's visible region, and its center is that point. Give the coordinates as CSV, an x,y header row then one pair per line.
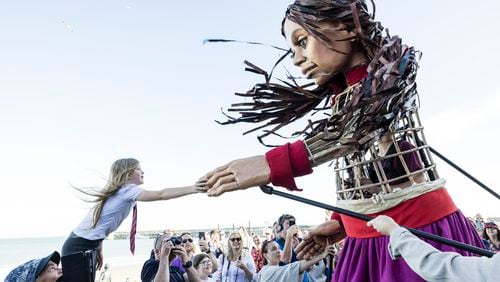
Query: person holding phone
x,y
187,242
159,269
286,237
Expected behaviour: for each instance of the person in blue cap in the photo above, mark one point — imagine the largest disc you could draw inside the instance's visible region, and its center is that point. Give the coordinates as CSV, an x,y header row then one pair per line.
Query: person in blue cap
x,y
37,270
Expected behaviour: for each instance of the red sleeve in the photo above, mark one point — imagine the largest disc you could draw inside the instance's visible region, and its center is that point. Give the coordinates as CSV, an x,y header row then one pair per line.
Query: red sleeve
x,y
287,162
336,216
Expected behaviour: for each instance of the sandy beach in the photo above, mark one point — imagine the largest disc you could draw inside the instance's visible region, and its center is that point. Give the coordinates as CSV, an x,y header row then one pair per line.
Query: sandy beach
x,y
128,273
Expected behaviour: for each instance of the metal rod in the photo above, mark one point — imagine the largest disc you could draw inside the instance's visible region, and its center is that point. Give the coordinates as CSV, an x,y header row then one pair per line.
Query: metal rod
x,y
465,173
459,245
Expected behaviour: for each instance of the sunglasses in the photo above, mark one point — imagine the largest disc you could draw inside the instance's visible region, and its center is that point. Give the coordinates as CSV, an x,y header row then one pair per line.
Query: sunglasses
x,y
184,241
235,239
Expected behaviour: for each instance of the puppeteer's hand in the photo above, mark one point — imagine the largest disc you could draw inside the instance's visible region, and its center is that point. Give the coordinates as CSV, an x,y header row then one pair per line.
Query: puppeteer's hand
x,y
238,175
383,224
324,234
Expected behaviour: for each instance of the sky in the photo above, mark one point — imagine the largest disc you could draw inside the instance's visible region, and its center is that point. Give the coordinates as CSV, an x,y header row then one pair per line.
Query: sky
x,y
83,83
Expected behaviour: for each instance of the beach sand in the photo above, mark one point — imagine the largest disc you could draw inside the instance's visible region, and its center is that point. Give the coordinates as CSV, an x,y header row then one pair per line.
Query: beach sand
x,y
121,273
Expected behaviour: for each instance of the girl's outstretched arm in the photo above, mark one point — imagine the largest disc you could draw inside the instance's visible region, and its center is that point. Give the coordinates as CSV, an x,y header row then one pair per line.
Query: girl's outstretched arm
x,y
171,193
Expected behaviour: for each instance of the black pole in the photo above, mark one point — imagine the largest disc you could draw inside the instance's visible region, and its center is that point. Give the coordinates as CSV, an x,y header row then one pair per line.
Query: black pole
x,y
464,173
459,245
330,268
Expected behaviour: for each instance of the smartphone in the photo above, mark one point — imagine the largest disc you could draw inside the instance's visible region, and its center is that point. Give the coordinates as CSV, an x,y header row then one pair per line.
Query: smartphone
x,y
291,222
201,235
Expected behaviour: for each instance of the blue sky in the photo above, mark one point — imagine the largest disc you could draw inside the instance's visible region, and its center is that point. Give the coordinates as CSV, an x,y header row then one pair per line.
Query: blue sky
x,y
83,83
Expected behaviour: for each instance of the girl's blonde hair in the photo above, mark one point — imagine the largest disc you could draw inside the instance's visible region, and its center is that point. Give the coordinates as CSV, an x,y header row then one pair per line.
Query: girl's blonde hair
x,y
231,255
118,176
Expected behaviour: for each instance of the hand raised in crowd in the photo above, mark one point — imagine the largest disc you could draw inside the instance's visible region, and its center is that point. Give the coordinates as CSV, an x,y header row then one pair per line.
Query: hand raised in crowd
x,y
238,175
295,241
383,224
203,245
317,239
180,252
240,264
292,231
166,248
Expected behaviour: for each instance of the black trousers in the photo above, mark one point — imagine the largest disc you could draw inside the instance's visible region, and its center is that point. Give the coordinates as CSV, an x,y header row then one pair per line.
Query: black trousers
x,y
73,245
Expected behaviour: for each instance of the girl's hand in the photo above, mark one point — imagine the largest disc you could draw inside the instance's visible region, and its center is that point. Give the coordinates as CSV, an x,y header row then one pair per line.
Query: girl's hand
x,y
238,175
329,250
201,185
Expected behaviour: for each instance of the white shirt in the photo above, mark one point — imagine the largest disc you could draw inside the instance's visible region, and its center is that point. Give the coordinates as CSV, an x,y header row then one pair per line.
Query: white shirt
x,y
284,273
434,265
228,271
115,210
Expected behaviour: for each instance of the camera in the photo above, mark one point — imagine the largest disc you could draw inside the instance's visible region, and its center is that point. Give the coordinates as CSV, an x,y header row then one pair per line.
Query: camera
x,y
176,240
291,222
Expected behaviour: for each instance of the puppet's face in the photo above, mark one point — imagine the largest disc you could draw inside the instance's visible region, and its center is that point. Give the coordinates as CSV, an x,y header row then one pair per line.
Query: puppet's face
x,y
316,60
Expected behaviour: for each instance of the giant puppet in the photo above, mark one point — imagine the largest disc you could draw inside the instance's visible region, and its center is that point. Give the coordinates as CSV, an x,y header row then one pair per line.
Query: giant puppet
x,y
364,80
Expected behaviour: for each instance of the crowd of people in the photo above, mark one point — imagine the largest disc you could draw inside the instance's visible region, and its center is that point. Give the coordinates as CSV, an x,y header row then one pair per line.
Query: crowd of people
x,y
489,232
270,256
241,256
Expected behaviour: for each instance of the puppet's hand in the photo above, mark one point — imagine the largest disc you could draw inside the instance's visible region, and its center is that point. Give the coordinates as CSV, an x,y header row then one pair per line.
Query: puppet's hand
x,y
324,234
237,175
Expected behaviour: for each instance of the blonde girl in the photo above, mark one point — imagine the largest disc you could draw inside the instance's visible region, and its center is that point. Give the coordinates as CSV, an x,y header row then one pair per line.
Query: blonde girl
x,y
113,204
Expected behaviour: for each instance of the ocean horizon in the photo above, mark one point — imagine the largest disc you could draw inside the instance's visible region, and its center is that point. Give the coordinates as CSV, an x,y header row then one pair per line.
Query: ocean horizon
x,y
16,251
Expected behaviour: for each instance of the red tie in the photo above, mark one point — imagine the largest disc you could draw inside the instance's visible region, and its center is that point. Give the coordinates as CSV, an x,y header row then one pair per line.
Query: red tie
x,y
133,229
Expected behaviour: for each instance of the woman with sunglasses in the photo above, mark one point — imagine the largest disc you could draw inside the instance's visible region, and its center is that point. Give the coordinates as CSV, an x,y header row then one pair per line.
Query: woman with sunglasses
x,y
236,265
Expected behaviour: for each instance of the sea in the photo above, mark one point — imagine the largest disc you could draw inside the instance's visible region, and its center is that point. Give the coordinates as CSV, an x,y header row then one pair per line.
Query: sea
x,y
14,252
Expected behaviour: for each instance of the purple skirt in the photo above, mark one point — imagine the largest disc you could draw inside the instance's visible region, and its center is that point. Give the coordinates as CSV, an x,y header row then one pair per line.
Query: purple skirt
x,y
368,259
